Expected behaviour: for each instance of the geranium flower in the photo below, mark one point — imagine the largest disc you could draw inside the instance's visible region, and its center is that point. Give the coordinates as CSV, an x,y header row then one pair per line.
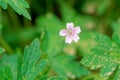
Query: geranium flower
x,y
71,33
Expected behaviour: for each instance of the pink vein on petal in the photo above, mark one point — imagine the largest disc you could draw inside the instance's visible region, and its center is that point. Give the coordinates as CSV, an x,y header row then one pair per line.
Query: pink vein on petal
x,y
77,30
63,32
70,26
68,40
75,38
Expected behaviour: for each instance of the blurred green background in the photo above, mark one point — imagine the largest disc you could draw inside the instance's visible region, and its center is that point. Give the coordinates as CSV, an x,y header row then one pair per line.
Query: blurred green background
x,y
48,17
91,15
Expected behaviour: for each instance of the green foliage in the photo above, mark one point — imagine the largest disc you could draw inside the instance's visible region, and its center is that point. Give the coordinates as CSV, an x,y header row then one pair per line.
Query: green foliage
x,y
103,57
31,66
9,63
5,73
64,65
27,67
18,5
51,42
104,41
98,49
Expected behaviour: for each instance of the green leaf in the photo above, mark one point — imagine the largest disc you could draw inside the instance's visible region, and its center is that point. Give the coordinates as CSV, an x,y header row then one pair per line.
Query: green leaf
x,y
11,62
64,65
104,56
31,65
39,68
20,7
3,4
108,69
27,67
101,59
103,41
8,67
19,65
5,73
1,50
50,26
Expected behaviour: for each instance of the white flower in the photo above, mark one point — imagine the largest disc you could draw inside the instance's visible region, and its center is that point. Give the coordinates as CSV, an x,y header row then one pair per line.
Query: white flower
x,y
71,33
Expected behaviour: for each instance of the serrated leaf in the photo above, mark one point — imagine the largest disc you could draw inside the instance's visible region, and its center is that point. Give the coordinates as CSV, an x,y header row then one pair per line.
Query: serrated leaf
x,y
20,7
38,69
100,59
31,65
94,60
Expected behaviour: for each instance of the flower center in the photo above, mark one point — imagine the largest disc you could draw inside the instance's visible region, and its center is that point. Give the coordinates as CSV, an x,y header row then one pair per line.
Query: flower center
x,y
70,32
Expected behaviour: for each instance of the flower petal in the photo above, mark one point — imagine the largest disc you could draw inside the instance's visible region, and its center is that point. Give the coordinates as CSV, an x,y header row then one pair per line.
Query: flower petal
x,y
75,38
63,32
70,26
68,39
77,30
